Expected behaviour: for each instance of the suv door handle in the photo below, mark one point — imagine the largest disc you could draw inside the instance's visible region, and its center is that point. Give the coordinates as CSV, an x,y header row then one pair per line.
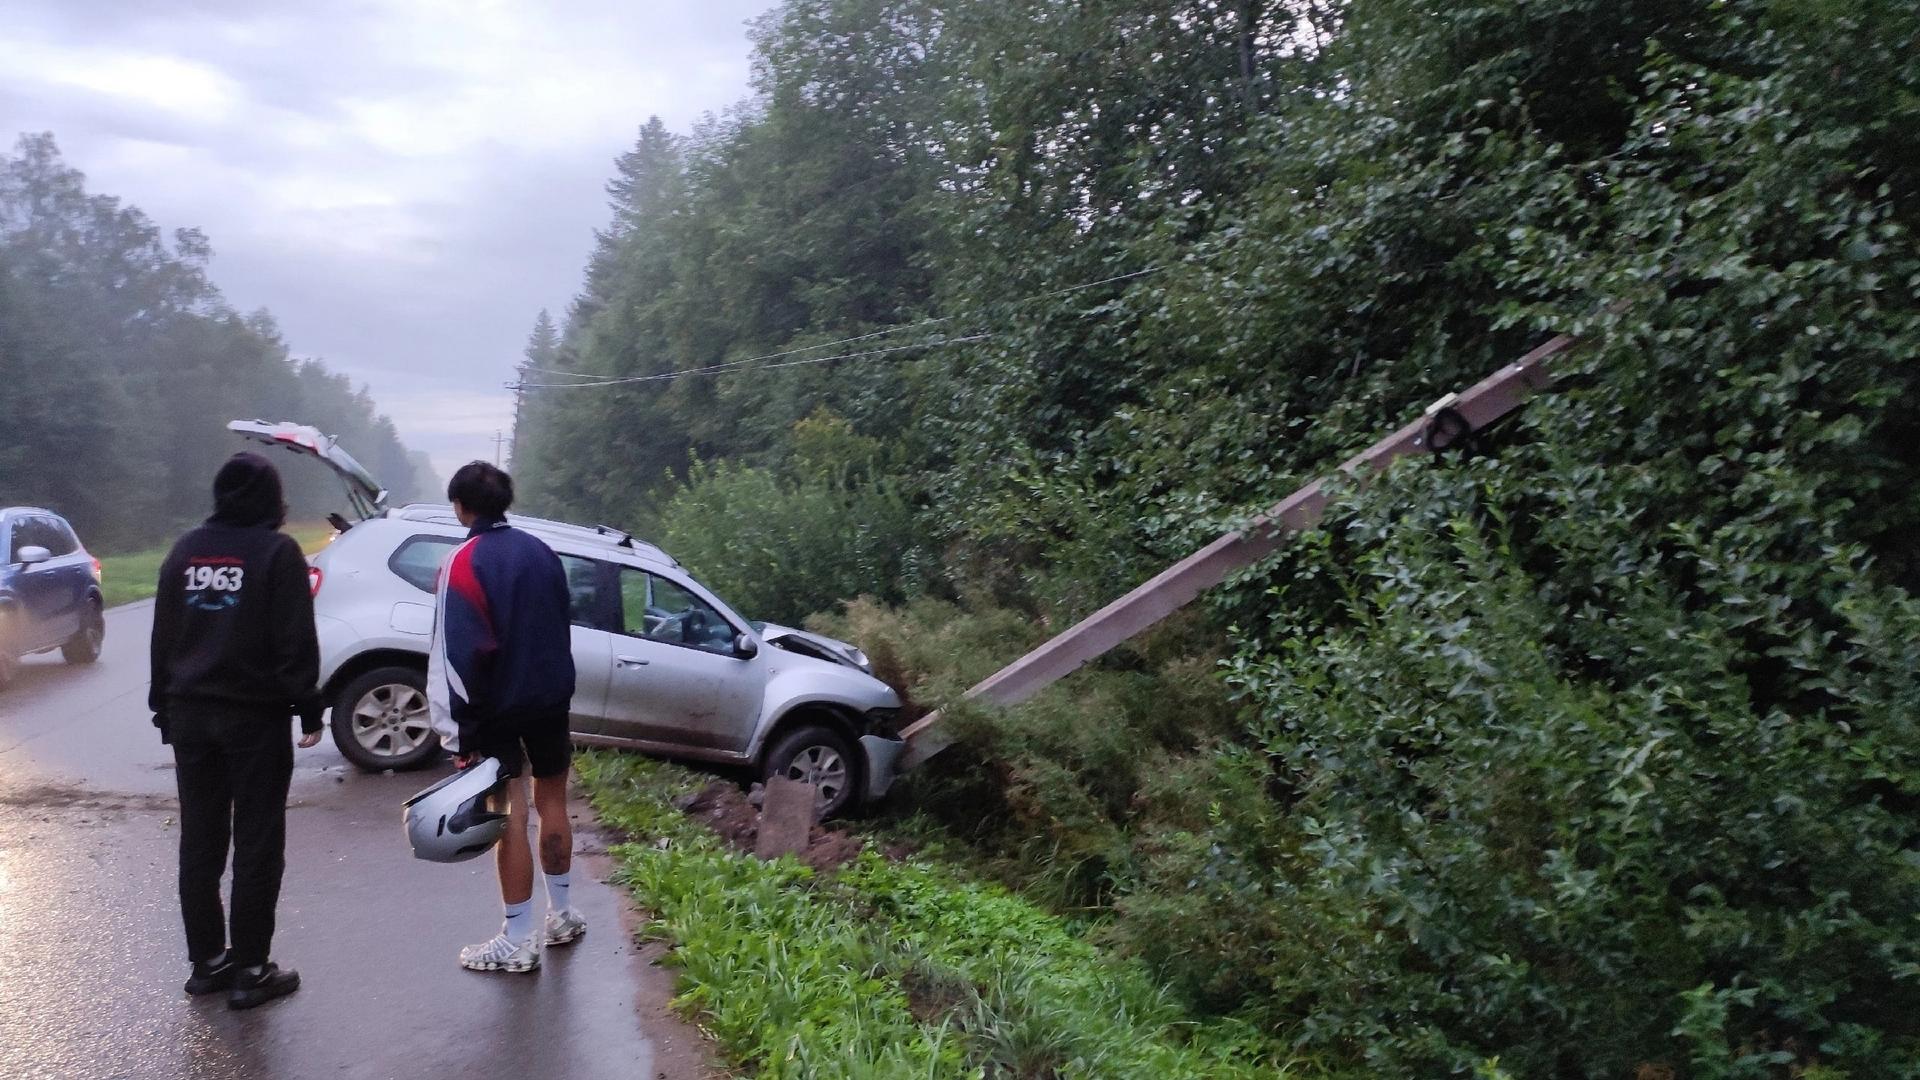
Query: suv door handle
x,y
630,661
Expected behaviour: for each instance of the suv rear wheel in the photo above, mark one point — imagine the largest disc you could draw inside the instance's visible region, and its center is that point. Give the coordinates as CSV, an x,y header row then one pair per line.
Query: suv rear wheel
x,y
820,756
84,647
8,662
380,720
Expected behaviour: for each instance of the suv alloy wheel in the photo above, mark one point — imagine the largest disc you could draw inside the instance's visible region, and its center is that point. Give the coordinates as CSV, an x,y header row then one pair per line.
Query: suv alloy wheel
x,y
380,720
820,756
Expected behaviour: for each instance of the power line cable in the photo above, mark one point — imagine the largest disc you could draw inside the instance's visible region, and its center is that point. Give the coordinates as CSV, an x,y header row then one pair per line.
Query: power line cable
x,y
668,376
768,356
733,365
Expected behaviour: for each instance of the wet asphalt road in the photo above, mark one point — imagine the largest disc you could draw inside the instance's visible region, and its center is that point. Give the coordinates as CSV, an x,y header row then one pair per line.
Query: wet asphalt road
x,y
92,955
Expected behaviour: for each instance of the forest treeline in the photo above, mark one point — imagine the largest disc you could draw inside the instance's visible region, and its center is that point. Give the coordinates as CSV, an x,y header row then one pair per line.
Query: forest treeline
x,y
121,364
1589,749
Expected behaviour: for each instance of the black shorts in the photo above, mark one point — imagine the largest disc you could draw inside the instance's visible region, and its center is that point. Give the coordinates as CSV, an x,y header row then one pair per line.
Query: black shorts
x,y
539,739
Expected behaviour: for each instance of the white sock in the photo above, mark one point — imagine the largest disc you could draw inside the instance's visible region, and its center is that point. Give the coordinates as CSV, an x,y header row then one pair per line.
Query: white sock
x,y
559,888
519,925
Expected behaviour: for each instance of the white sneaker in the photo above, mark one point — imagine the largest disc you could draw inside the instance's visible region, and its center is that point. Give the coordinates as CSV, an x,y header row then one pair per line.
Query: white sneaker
x,y
501,954
564,926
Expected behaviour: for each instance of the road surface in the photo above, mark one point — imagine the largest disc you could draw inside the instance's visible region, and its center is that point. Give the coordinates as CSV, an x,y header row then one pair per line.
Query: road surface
x,y
92,955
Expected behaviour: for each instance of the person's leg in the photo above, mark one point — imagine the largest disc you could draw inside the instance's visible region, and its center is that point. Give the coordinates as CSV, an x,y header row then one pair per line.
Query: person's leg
x,y
556,833
516,947
550,754
206,807
513,856
261,749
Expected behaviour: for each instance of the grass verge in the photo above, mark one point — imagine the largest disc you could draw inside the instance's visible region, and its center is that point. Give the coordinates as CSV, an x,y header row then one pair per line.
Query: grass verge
x,y
889,968
133,576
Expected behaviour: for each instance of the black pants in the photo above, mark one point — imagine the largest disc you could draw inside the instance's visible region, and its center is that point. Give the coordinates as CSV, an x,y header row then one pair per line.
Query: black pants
x,y
233,770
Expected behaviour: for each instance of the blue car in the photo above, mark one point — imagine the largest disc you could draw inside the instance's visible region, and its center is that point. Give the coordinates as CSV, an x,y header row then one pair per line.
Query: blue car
x,y
49,590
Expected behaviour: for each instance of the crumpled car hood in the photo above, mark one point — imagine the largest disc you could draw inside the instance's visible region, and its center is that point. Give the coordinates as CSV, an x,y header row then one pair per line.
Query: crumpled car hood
x,y
818,646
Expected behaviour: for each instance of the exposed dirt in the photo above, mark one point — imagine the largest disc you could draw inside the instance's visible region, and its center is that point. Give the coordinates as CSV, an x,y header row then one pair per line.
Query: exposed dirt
x,y
931,999
727,810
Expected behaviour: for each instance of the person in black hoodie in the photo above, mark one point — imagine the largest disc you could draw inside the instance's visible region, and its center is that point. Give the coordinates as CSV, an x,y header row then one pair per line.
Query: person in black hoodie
x,y
234,656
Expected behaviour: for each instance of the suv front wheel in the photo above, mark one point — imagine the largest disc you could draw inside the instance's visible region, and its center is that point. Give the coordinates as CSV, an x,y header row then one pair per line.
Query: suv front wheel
x,y
380,720
819,756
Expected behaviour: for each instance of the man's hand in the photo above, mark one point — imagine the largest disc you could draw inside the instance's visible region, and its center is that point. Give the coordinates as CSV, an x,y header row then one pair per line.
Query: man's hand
x,y
309,740
465,761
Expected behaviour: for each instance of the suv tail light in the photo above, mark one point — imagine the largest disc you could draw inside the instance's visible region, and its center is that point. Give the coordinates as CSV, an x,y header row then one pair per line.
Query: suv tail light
x,y
314,577
97,576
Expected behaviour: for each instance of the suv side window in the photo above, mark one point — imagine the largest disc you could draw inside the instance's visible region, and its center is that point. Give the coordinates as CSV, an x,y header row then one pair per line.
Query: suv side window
x,y
418,561
60,537
588,604
656,609
33,530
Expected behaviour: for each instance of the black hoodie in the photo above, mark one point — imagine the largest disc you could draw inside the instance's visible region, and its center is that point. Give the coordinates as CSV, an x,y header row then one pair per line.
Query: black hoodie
x,y
233,619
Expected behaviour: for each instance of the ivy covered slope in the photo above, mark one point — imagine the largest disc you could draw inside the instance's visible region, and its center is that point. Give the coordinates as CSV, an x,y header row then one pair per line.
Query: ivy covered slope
x,y
1589,751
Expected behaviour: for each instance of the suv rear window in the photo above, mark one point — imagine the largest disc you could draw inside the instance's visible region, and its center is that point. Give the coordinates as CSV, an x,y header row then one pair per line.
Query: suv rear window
x,y
418,561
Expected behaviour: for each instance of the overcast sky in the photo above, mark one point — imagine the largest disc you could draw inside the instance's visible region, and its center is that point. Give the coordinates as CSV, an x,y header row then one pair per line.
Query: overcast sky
x,y
404,183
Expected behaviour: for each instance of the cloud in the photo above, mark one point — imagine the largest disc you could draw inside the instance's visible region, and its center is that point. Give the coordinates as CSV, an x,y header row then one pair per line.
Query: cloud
x,y
405,183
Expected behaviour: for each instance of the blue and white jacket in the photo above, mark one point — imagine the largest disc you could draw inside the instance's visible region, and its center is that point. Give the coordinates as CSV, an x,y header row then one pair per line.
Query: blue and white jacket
x,y
502,642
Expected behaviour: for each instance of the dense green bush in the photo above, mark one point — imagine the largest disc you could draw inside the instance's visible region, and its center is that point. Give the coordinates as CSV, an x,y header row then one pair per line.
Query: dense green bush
x,y
1602,750
780,543
1567,826
1045,794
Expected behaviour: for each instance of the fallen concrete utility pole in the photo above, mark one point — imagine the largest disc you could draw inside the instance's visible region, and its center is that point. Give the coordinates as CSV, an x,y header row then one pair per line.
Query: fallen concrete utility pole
x,y
1443,424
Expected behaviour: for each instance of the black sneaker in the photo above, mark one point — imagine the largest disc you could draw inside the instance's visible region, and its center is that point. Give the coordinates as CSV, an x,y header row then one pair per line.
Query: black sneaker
x,y
212,976
256,986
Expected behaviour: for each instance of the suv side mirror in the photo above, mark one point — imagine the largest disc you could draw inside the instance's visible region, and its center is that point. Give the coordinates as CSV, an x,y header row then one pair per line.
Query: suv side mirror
x,y
32,554
745,647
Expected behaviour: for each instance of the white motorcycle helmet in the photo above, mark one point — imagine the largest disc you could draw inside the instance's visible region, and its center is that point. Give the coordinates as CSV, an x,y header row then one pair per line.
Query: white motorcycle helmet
x,y
453,820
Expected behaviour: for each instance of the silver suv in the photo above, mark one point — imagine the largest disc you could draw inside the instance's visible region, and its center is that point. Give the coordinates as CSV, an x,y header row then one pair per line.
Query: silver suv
x,y
663,664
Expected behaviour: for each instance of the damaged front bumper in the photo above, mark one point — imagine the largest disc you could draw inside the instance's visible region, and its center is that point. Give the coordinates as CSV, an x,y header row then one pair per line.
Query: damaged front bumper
x,y
883,756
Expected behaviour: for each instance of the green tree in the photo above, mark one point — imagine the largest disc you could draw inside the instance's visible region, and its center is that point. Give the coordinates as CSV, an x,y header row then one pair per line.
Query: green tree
x,y
124,364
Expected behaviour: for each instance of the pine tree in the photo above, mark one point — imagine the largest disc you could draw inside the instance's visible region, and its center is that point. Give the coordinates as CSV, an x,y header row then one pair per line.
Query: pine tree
x,y
542,353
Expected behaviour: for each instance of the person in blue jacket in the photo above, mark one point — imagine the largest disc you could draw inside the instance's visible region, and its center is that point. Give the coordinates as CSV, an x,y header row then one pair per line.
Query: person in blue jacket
x,y
499,682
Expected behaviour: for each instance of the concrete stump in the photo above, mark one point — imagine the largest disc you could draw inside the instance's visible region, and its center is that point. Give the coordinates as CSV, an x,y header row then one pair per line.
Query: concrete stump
x,y
786,818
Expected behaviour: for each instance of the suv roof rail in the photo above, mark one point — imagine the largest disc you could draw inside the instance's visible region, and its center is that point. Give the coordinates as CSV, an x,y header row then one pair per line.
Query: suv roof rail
x,y
626,538
605,534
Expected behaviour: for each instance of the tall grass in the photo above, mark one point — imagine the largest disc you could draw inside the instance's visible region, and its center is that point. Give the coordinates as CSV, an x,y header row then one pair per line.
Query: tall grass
x,y
892,968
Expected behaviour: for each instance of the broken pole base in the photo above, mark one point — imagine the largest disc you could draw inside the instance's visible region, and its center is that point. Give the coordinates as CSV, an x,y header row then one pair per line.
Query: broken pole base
x,y
786,818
